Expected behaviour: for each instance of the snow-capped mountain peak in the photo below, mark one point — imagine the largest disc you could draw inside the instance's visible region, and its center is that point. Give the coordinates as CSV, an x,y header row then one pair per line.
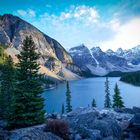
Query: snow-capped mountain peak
x,y
98,62
110,52
79,50
96,49
131,55
120,51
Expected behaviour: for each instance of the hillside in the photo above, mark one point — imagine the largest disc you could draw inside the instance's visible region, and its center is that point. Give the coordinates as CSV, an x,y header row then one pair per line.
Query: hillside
x,y
13,31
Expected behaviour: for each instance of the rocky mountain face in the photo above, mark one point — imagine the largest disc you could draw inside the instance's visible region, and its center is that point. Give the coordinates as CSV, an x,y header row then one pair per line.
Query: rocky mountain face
x,y
99,62
81,55
131,55
54,58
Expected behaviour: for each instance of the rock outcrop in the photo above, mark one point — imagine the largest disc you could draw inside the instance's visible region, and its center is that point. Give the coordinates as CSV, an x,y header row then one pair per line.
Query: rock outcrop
x,y
30,133
93,124
86,124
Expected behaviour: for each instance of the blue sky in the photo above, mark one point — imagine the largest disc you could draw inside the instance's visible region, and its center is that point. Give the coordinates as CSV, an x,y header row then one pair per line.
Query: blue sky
x,y
105,23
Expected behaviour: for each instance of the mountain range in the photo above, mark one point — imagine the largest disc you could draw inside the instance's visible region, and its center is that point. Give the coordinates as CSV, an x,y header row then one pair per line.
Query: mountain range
x,y
101,63
57,63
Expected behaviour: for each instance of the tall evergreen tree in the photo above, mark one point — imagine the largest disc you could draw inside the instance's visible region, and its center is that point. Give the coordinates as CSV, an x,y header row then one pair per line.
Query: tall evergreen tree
x,y
107,103
93,103
68,98
7,87
27,104
63,109
117,99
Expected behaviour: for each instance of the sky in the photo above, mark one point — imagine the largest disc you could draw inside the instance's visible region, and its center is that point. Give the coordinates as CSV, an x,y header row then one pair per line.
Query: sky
x,y
110,24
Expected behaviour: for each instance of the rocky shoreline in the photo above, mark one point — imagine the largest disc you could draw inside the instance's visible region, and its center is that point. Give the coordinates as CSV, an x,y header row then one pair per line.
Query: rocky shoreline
x,y
85,124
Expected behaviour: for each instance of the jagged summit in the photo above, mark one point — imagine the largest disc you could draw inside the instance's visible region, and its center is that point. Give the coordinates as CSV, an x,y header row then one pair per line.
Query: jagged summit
x,y
105,62
96,49
82,56
80,47
131,55
110,52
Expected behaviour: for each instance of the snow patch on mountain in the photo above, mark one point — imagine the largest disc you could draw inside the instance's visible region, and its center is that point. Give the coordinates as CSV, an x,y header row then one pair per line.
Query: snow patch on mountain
x,y
94,58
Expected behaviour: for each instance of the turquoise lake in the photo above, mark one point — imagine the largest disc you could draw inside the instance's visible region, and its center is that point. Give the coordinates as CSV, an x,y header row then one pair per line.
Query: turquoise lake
x,y
83,91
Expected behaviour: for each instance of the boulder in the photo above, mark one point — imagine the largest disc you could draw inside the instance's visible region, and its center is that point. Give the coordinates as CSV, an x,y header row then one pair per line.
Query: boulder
x,y
77,137
123,119
136,109
134,126
135,121
32,133
52,116
124,110
94,124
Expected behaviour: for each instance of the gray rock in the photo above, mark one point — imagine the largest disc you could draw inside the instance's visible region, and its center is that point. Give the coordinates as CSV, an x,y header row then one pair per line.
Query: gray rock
x,y
136,109
32,133
86,124
134,126
124,110
77,137
108,127
135,120
92,123
94,134
53,116
123,119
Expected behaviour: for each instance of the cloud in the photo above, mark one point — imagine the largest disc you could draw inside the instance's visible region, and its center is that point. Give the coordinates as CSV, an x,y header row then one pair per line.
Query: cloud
x,y
21,12
84,24
76,25
114,24
127,35
81,13
29,12
74,17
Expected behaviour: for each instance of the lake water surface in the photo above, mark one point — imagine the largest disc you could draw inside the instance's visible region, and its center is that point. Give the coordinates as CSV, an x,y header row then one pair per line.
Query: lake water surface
x,y
83,91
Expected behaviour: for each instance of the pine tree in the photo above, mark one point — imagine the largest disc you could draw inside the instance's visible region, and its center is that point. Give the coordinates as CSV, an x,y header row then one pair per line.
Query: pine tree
x,y
93,103
7,87
27,104
117,99
68,98
63,109
107,103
